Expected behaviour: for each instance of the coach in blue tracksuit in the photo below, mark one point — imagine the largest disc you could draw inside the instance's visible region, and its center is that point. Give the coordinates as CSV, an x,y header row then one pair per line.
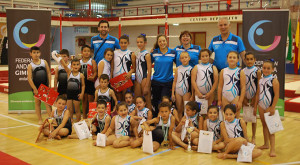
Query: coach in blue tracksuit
x,y
185,39
103,41
224,43
163,59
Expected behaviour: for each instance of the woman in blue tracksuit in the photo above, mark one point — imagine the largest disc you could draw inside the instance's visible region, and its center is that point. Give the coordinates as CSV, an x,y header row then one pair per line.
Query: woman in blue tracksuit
x,y
163,58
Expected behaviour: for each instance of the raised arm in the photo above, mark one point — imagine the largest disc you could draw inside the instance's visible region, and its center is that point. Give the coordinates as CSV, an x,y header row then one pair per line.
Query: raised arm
x,y
60,61
56,78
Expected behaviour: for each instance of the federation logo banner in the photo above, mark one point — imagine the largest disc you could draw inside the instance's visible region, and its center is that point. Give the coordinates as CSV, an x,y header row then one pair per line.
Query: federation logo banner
x,y
264,34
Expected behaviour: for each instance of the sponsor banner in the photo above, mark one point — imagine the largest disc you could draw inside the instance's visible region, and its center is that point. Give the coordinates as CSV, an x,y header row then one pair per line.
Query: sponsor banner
x,y
25,29
264,34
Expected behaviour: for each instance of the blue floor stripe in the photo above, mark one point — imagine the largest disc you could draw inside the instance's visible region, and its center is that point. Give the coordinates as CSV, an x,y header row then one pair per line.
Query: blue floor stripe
x,y
150,156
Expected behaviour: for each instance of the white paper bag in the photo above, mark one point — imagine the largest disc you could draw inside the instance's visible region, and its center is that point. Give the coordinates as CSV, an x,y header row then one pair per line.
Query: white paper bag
x,y
248,114
183,130
101,140
245,153
82,130
206,139
204,105
273,122
141,122
147,142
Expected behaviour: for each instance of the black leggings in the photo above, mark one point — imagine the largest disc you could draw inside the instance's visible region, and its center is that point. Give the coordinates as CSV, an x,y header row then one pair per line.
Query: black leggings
x,y
158,135
158,90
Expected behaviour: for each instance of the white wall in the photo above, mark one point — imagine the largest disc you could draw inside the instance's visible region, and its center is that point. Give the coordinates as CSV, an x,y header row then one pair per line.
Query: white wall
x,y
70,37
211,30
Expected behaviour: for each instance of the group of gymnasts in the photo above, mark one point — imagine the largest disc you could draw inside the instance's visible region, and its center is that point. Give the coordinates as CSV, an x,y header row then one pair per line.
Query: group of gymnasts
x,y
234,87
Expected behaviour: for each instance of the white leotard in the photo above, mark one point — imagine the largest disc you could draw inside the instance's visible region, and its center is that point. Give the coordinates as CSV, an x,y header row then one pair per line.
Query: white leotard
x,y
122,61
122,126
205,77
266,92
141,66
183,79
251,81
231,86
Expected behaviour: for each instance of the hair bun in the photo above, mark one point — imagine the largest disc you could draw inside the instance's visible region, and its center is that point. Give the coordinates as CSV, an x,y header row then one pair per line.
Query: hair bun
x,y
143,34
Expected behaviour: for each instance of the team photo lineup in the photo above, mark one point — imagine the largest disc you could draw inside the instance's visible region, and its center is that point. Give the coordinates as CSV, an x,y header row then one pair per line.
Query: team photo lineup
x,y
125,97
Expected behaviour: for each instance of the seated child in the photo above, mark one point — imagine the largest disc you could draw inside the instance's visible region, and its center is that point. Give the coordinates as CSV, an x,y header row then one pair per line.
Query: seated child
x,y
234,132
140,112
195,120
62,120
173,109
212,124
164,124
121,124
129,101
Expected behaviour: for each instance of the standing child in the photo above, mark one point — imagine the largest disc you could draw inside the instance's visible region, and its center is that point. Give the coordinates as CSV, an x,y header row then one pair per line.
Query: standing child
x,y
212,124
234,132
104,92
181,88
143,71
75,87
267,98
253,75
140,112
62,119
173,109
121,124
195,120
104,65
129,102
88,79
124,61
205,77
38,73
61,76
164,124
232,84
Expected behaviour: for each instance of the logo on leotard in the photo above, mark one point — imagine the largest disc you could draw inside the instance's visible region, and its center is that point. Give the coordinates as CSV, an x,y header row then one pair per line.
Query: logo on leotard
x,y
20,27
259,31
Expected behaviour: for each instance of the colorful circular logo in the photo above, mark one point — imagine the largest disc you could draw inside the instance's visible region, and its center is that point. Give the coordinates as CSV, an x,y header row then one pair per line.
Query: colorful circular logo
x,y
24,29
259,31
